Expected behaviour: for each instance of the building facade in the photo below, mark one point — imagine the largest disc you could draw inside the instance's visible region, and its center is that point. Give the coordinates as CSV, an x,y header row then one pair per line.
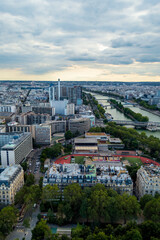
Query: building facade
x,y
81,125
113,177
44,110
58,126
16,149
30,118
8,108
11,181
70,109
43,134
148,180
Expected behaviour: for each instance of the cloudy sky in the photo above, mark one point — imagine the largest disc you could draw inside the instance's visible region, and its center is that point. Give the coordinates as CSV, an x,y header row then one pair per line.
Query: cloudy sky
x,y
107,40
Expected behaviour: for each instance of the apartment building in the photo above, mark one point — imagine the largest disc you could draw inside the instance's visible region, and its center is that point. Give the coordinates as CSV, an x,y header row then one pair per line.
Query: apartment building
x,y
112,176
148,180
11,180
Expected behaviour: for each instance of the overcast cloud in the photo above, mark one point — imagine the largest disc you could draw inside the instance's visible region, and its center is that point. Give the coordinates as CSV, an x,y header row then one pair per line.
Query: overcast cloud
x,y
39,37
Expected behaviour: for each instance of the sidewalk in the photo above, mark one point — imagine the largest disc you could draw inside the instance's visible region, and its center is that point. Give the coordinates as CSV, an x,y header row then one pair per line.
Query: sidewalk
x,y
20,232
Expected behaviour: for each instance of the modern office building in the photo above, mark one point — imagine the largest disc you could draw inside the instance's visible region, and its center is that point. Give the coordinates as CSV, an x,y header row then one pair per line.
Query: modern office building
x,y
70,109
148,180
115,177
91,118
51,94
21,128
60,106
15,147
30,118
72,93
75,95
58,126
43,134
44,110
11,181
81,125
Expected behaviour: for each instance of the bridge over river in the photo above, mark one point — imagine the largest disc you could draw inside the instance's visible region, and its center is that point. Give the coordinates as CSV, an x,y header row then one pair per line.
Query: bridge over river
x,y
131,123
136,123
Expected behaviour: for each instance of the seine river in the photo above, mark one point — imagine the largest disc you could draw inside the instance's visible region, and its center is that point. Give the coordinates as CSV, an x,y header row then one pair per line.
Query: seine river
x,y
120,116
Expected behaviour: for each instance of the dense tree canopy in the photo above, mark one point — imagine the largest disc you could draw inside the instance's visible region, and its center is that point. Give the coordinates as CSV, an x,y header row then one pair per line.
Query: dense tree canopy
x,y
152,210
8,217
41,231
68,135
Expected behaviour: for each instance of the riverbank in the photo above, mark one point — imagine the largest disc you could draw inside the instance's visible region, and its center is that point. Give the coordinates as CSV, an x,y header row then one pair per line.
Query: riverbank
x,y
150,111
120,116
128,112
122,111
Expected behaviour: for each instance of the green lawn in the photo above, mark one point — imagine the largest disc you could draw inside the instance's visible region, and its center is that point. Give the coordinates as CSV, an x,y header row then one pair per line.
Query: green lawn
x,y
132,160
79,159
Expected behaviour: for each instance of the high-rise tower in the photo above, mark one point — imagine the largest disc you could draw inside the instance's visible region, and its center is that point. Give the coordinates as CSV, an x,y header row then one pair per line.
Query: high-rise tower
x,y
59,90
51,94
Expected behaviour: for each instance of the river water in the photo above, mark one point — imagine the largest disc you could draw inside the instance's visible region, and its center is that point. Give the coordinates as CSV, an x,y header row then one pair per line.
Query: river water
x,y
120,116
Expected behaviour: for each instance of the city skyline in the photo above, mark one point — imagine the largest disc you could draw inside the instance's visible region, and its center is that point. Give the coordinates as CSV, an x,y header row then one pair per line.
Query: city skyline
x,y
81,41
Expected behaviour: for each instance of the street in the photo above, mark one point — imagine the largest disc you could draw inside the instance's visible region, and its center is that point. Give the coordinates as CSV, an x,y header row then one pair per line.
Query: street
x,y
33,160
20,232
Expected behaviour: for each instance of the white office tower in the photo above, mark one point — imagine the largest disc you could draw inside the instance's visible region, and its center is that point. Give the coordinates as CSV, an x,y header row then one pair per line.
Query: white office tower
x,y
60,107
51,94
59,90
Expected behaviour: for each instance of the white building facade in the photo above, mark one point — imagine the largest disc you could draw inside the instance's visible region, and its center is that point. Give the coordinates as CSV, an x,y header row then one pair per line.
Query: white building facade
x,y
16,150
148,180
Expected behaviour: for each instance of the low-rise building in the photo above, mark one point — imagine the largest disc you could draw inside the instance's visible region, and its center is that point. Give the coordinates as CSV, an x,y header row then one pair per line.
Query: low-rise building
x,y
97,135
148,180
85,145
11,180
105,141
